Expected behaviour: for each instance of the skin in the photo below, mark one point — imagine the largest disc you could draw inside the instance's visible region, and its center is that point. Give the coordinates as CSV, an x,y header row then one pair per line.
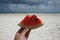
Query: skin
x,y
22,34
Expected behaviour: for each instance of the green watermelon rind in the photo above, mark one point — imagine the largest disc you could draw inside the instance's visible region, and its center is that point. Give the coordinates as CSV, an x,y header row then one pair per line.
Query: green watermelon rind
x,y
31,26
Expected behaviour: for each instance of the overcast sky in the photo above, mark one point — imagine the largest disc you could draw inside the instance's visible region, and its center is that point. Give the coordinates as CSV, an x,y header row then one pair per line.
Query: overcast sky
x,y
29,5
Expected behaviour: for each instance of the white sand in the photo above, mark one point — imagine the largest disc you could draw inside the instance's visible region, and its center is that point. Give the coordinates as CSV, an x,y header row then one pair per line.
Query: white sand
x,y
49,31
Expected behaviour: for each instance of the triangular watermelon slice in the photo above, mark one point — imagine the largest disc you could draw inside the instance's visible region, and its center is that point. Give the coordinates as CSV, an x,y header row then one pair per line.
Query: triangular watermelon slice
x,y
31,22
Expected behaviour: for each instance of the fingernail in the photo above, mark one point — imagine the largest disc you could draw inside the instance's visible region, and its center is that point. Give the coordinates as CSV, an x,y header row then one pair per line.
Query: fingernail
x,y
26,29
17,34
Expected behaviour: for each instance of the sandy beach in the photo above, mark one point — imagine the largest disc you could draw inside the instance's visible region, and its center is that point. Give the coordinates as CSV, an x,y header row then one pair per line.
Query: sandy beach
x,y
49,31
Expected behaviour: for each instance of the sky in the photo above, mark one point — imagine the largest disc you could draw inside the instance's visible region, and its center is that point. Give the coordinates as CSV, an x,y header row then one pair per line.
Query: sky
x,y
29,6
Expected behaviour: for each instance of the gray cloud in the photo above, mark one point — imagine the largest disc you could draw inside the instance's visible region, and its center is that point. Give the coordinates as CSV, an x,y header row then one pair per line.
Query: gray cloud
x,y
4,8
31,2
30,6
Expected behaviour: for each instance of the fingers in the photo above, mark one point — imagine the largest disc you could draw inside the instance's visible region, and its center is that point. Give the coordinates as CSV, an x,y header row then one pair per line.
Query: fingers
x,y
27,33
19,31
24,31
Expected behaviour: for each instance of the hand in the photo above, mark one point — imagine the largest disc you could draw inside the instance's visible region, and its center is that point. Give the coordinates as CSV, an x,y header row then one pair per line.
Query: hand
x,y
22,34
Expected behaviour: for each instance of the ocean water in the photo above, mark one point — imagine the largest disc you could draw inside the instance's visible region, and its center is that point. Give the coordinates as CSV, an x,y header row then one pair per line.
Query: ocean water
x,y
49,31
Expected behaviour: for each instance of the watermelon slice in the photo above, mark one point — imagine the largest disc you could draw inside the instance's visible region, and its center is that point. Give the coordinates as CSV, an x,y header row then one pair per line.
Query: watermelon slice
x,y
31,22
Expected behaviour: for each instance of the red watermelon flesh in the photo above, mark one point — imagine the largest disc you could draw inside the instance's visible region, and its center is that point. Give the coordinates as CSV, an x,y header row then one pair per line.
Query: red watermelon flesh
x,y
31,22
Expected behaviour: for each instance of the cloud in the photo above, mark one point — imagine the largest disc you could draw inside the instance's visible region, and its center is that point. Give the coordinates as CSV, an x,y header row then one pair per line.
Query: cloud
x,y
30,2
35,8
4,8
30,6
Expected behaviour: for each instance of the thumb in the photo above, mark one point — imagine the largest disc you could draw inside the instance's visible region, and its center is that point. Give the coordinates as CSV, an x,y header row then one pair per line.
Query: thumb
x,y
24,31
